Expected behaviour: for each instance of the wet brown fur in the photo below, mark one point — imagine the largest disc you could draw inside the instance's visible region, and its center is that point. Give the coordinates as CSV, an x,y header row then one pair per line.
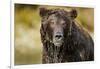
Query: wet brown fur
x,y
78,44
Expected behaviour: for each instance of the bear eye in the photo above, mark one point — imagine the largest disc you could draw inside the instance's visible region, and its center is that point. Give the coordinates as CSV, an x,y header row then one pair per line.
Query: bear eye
x,y
51,22
63,23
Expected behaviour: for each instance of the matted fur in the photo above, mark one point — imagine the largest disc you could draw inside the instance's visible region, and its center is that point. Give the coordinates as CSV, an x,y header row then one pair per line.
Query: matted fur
x,y
78,44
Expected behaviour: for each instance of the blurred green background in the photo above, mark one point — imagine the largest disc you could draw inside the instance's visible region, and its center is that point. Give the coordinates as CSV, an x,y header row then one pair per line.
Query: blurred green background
x,y
28,46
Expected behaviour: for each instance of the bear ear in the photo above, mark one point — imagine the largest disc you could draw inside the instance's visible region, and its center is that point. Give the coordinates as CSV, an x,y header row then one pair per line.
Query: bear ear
x,y
43,11
73,13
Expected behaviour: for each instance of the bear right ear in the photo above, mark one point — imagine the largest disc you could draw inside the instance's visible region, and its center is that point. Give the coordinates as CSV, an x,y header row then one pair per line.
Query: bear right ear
x,y
73,13
43,11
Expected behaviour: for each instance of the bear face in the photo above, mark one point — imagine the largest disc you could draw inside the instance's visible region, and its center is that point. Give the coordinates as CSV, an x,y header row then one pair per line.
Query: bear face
x,y
57,23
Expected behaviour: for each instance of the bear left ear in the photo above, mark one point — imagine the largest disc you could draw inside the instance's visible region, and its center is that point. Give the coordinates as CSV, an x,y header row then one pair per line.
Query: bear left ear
x,y
73,13
43,11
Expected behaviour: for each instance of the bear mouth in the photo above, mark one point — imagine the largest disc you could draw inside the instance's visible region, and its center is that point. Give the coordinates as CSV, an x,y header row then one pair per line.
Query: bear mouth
x,y
58,43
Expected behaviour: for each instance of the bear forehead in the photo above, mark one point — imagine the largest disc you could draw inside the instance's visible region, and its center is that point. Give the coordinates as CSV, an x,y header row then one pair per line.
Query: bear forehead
x,y
57,16
58,12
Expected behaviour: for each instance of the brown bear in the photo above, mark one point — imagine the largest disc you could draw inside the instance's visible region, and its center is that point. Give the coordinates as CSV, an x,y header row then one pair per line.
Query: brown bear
x,y
63,39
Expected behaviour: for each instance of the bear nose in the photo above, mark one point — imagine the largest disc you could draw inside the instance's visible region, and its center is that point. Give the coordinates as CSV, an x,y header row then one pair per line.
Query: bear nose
x,y
58,36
